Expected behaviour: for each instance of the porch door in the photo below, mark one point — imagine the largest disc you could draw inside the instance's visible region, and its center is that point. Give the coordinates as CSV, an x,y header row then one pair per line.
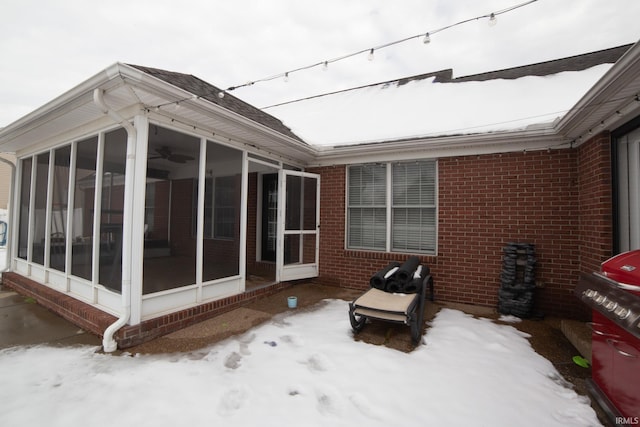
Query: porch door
x,y
298,226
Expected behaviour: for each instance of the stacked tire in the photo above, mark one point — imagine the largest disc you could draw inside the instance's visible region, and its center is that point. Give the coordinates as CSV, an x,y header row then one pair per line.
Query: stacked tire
x,y
517,280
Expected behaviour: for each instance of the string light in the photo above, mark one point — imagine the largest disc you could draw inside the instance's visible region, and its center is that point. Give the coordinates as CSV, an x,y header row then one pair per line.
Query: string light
x,y
426,38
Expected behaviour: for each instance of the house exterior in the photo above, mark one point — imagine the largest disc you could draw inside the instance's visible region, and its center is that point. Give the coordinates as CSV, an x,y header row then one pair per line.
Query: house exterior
x,y
5,178
144,201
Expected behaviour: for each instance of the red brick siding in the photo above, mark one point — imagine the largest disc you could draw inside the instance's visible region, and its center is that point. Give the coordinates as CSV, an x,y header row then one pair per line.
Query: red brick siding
x,y
596,220
96,321
485,202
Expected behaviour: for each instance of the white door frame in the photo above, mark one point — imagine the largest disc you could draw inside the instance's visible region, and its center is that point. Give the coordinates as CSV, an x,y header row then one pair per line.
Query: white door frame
x,y
299,270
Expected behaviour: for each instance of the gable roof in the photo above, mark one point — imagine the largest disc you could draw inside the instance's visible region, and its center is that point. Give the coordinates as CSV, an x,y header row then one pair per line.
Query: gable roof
x,y
132,90
436,104
207,91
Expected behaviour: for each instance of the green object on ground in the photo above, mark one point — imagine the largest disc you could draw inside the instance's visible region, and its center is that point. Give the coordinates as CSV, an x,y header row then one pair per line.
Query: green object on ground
x,y
581,361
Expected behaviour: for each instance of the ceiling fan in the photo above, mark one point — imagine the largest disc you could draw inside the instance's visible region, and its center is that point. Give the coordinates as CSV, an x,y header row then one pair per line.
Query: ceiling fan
x,y
166,153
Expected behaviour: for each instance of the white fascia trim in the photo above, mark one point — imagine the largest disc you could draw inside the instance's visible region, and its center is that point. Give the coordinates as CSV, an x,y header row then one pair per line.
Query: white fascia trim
x,y
160,87
446,146
73,98
624,71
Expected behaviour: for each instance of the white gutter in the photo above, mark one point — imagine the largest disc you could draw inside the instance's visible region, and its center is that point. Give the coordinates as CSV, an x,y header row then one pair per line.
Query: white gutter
x,y
9,209
109,344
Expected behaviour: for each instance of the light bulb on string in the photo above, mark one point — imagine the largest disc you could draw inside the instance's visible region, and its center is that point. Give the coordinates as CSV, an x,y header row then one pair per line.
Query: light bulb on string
x,y
426,39
286,77
325,66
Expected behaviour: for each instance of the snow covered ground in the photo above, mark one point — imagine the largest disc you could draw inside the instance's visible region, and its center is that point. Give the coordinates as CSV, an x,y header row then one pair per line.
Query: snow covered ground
x,y
299,369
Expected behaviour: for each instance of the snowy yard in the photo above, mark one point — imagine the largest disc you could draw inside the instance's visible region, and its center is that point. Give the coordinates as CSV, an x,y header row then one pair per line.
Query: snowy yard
x,y
299,369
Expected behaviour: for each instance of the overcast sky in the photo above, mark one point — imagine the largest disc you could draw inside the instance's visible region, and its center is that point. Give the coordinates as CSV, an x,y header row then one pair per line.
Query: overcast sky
x,y
48,47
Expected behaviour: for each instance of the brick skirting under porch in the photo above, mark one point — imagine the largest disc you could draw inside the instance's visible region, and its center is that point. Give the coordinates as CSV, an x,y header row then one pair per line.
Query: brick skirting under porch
x,y
96,321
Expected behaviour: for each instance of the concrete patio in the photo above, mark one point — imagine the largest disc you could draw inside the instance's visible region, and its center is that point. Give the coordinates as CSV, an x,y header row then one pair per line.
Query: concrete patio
x,y
26,323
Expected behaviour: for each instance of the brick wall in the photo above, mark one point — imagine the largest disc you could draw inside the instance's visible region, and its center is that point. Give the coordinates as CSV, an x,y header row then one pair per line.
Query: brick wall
x,y
96,321
485,202
596,217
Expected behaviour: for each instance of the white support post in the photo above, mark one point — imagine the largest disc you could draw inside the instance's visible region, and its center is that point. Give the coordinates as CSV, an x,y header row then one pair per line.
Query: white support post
x,y
202,175
48,212
97,203
141,123
243,220
71,191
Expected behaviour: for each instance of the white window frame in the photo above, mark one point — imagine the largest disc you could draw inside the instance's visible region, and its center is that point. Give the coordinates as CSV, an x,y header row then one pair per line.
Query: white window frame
x,y
389,207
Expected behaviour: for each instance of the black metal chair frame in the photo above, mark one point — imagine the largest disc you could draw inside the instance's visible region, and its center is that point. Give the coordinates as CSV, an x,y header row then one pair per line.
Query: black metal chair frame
x,y
413,316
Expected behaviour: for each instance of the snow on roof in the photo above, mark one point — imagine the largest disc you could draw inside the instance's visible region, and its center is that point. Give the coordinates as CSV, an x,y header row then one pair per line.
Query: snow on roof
x,y
426,108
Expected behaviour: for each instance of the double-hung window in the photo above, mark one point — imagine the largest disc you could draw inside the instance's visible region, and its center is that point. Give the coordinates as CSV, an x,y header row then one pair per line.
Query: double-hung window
x,y
392,207
219,208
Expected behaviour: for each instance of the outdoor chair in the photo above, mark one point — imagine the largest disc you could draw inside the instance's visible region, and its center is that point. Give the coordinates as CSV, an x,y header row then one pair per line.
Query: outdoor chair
x,y
397,295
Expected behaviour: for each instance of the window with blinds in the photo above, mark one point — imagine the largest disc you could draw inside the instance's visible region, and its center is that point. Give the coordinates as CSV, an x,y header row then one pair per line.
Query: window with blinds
x,y
392,207
413,209
367,218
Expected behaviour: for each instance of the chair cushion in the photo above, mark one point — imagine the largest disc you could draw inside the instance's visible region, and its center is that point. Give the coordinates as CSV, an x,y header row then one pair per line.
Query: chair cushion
x,y
375,299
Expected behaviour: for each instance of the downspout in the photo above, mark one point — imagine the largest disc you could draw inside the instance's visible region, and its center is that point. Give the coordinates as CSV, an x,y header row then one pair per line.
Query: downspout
x,y
109,344
9,209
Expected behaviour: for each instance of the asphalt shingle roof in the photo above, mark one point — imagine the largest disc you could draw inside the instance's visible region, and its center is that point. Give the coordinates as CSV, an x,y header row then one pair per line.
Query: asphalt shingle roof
x,y
207,91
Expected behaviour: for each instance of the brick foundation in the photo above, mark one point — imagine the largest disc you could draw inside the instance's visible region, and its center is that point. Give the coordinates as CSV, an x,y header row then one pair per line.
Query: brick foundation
x,y
96,321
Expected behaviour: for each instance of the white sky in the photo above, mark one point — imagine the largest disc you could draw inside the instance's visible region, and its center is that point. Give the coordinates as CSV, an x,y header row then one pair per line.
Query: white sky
x,y
50,47
301,369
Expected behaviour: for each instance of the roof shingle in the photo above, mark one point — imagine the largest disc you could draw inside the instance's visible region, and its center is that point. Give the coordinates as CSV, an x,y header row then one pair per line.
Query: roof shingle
x,y
207,91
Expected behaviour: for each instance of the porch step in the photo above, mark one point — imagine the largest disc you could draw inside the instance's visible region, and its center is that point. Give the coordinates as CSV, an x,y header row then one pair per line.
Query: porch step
x,y
578,334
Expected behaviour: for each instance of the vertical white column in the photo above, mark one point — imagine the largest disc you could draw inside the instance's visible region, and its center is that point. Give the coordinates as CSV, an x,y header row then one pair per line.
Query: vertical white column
x,y
47,215
136,217
244,192
32,212
317,255
389,201
71,194
202,174
15,218
97,209
280,224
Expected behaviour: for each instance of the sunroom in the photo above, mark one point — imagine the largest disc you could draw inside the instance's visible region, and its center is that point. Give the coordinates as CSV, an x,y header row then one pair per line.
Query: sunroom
x,y
143,192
